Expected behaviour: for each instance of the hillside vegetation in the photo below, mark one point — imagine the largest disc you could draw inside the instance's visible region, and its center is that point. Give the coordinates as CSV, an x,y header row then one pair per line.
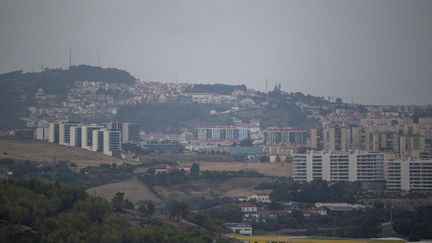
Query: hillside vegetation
x,y
18,88
33,211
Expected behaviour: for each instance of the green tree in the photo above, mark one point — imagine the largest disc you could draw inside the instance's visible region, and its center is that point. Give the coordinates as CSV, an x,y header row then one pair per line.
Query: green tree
x,y
146,207
118,203
195,170
179,209
368,226
97,209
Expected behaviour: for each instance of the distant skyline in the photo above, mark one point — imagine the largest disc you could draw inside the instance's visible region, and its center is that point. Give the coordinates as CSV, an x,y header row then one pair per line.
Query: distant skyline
x,y
378,51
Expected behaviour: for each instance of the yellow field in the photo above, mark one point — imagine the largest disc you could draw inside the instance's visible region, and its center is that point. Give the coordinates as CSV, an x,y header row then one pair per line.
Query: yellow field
x,y
20,149
287,239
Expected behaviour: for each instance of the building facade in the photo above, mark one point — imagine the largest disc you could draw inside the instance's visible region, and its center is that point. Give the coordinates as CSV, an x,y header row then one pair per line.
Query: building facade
x,y
409,175
75,136
222,133
112,141
284,136
338,166
87,135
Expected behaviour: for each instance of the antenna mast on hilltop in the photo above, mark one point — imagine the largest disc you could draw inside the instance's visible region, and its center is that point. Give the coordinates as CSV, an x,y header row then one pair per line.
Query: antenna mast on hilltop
x,y
99,59
70,57
266,86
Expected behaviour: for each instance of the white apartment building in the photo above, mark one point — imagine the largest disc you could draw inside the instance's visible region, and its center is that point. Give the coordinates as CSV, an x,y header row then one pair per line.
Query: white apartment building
x,y
259,198
339,166
129,131
64,132
97,140
42,133
240,228
409,175
93,137
53,133
87,135
250,213
75,136
112,141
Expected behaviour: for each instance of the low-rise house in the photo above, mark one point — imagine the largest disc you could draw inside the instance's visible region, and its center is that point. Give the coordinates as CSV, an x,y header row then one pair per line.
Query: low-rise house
x,y
339,206
185,167
250,213
314,211
240,228
273,214
161,168
261,198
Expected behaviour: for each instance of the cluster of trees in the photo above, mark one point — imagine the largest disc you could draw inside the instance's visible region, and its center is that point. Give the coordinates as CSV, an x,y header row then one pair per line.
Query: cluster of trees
x,y
178,176
146,207
230,212
173,177
119,203
414,225
66,172
179,209
35,211
29,201
315,191
203,203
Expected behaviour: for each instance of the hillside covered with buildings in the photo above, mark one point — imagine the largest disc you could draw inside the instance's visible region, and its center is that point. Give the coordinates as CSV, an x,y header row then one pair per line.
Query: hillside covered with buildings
x,y
275,161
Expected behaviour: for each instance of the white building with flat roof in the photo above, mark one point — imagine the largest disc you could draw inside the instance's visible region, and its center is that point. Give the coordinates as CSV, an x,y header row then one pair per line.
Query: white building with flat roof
x,y
75,136
64,132
53,133
87,135
42,133
240,228
409,175
97,140
112,141
339,166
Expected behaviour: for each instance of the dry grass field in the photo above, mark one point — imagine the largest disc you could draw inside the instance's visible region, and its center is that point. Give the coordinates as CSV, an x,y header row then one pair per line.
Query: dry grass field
x,y
268,169
20,149
134,190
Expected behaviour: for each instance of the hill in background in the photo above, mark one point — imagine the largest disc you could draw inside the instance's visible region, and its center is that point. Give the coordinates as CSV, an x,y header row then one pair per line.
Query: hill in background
x,y
176,110
18,88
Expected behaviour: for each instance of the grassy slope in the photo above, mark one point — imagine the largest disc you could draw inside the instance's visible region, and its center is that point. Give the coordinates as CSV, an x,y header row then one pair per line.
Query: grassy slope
x,y
18,149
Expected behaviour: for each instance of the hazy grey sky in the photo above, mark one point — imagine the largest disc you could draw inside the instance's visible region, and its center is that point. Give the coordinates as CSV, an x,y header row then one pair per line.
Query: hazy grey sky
x,y
380,51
